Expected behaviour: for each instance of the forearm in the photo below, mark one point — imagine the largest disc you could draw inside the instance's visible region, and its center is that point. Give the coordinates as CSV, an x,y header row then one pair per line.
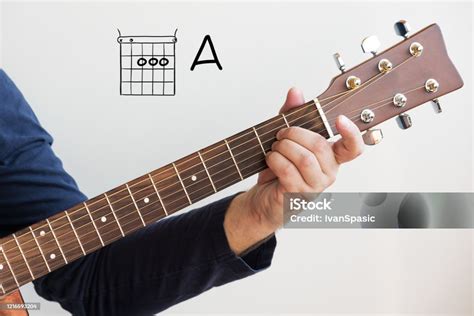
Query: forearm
x,y
157,267
244,227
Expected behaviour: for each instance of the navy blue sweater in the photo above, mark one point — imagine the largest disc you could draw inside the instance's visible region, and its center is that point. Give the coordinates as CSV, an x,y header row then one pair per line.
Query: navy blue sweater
x,y
144,273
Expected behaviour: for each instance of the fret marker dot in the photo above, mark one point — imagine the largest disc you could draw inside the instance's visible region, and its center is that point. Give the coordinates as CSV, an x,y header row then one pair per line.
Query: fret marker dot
x,y
194,178
103,219
42,233
146,200
52,256
1,266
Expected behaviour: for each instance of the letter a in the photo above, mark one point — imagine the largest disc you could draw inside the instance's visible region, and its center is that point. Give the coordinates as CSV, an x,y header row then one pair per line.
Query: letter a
x,y
214,60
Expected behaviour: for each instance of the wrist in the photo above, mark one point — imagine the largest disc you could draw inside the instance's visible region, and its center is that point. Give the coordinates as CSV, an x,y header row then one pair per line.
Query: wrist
x,y
242,224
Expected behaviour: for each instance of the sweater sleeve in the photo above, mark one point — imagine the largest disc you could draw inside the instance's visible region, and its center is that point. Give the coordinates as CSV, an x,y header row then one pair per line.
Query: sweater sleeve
x,y
152,269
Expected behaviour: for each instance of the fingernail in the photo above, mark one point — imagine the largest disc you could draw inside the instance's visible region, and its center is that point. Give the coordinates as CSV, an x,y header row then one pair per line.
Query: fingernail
x,y
344,120
279,133
273,145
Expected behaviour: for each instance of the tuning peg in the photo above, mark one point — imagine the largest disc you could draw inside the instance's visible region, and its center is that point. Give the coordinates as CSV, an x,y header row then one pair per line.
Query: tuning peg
x,y
372,136
436,106
339,62
370,44
402,28
404,121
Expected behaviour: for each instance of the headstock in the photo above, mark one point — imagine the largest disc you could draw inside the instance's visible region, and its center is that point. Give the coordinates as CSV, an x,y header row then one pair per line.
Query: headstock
x,y
410,73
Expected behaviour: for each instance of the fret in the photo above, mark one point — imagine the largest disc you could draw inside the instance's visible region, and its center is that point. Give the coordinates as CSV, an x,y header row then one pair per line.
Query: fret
x,y
259,141
194,177
268,130
103,219
220,165
31,252
135,203
56,239
122,204
171,190
158,194
7,267
39,248
65,237
93,223
23,256
180,180
286,121
49,247
233,158
16,262
147,200
84,228
207,171
75,233
247,151
115,216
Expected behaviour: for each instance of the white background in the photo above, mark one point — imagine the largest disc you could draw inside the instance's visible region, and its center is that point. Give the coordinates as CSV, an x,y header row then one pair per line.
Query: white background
x,y
65,59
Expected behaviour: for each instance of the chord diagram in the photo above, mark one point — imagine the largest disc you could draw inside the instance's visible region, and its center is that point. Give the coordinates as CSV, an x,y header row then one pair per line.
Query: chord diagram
x,y
147,65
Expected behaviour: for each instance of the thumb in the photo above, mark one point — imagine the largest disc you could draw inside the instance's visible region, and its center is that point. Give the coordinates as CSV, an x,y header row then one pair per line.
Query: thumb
x,y
294,98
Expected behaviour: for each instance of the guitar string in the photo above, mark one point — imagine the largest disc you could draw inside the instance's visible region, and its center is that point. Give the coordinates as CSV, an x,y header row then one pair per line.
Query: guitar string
x,y
182,171
25,272
305,107
232,166
310,104
367,83
158,202
357,91
150,211
369,105
388,103
151,186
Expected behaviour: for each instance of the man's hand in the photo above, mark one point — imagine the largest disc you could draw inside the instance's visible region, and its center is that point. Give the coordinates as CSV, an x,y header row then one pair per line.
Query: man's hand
x,y
300,161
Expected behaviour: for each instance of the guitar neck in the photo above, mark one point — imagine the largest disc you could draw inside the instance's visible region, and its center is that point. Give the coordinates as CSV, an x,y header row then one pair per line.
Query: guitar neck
x,y
56,241
412,72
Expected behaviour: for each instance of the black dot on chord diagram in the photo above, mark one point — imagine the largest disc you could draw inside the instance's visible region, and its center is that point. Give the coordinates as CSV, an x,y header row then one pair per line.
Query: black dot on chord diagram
x,y
153,61
164,61
141,61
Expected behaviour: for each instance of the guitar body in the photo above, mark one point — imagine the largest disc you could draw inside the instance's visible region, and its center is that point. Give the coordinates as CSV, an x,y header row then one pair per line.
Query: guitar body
x,y
13,298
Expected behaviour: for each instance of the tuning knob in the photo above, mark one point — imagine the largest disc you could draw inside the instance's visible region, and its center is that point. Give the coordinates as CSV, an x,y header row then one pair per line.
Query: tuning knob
x,y
436,106
372,136
402,28
370,44
339,62
404,121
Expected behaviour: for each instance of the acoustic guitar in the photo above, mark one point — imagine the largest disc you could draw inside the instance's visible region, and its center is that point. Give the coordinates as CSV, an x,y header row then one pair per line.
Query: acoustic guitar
x,y
408,74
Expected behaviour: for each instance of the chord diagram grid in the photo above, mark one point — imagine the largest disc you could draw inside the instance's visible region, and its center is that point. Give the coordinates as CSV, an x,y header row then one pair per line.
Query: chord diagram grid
x,y
147,65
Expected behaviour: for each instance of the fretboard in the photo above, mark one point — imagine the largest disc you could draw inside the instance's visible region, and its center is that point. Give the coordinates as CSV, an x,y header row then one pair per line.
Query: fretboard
x,y
54,242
